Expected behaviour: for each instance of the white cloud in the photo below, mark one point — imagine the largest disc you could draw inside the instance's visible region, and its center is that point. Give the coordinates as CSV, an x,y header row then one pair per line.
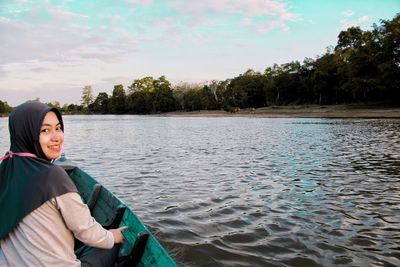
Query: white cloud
x,y
61,39
270,25
2,72
363,19
347,13
164,24
270,14
139,2
246,21
60,14
348,20
245,7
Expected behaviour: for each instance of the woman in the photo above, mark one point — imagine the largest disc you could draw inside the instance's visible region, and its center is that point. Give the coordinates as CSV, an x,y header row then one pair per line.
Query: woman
x,y
40,208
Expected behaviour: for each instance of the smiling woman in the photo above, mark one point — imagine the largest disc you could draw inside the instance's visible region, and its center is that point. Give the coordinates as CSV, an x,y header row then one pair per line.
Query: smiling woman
x,y
51,136
40,209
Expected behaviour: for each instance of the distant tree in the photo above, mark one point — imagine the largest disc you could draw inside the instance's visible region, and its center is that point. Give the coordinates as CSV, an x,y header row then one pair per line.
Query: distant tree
x,y
148,95
192,100
178,91
357,67
208,97
145,84
246,90
54,104
323,80
220,95
118,100
101,103
388,39
163,97
140,102
187,96
140,96
4,107
64,108
87,96
75,108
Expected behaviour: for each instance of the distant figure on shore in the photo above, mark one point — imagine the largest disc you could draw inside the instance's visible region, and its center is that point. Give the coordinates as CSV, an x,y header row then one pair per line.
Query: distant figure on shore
x,y
40,209
234,110
252,110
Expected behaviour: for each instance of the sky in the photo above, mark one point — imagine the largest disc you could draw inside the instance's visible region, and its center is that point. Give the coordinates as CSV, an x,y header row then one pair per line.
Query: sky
x,y
52,49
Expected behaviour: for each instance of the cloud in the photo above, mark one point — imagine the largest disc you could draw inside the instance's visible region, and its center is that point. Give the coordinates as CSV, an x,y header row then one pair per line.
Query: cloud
x,y
2,72
347,13
348,20
139,2
40,69
245,7
264,15
246,21
61,39
61,14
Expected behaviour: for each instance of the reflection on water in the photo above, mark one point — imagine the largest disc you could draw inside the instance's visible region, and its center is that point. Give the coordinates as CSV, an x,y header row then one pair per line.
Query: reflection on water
x,y
251,191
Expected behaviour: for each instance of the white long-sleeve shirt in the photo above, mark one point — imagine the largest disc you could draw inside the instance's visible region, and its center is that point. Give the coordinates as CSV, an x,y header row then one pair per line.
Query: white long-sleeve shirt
x,y
45,236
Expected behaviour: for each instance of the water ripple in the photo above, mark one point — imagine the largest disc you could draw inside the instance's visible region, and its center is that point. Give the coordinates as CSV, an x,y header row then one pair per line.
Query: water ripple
x,y
251,192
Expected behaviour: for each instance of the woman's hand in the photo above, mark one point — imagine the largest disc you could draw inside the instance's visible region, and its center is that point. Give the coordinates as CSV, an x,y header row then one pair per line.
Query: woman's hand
x,y
117,233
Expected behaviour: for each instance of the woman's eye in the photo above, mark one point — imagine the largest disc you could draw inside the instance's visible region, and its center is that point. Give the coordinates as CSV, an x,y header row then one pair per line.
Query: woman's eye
x,y
44,130
59,128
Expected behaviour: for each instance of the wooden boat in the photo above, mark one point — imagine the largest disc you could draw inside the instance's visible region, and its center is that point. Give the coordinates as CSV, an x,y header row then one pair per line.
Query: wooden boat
x,y
140,248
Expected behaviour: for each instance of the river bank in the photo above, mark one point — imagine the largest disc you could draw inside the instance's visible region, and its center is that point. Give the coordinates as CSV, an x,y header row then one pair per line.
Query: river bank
x,y
300,111
295,111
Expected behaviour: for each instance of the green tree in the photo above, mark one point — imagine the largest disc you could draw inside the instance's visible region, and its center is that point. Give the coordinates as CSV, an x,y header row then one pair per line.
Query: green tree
x,y
145,84
140,102
388,39
4,107
118,100
247,90
75,108
196,96
163,96
87,96
147,95
101,103
192,100
356,68
323,80
209,97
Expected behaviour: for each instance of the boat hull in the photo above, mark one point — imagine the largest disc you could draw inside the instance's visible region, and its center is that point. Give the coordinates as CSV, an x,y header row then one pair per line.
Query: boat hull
x,y
111,212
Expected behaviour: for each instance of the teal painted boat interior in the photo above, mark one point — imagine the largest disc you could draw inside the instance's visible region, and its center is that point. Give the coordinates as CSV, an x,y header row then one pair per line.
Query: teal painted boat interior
x,y
104,212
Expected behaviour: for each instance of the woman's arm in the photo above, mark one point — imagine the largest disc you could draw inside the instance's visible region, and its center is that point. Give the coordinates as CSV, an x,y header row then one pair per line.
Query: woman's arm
x,y
78,219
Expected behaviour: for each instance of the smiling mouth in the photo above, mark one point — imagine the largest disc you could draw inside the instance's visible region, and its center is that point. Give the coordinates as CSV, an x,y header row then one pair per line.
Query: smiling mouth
x,y
55,148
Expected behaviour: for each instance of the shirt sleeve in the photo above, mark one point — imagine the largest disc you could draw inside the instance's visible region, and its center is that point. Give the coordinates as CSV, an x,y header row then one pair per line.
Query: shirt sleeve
x,y
78,219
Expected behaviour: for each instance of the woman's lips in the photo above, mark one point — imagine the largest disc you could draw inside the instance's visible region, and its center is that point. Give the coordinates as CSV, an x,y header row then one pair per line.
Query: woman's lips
x,y
55,148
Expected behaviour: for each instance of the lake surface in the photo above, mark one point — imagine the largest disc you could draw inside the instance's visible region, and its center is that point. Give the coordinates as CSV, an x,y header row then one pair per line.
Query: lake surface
x,y
251,191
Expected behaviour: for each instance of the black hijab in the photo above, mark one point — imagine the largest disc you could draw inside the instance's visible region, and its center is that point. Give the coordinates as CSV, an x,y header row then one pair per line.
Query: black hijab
x,y
28,182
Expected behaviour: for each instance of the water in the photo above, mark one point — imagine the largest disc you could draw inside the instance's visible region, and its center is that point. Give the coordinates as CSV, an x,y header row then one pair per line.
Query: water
x,y
251,191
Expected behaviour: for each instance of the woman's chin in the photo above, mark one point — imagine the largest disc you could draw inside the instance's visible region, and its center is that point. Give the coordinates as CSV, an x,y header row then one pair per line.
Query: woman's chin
x,y
53,155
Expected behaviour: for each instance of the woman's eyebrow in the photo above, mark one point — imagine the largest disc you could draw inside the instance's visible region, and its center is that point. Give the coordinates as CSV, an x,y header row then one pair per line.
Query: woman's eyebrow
x,y
48,124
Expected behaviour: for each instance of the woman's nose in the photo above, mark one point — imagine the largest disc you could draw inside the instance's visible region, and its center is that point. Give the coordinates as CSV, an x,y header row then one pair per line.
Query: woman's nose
x,y
55,136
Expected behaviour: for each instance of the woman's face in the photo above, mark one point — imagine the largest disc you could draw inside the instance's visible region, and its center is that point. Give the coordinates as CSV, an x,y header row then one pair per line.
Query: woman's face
x,y
51,136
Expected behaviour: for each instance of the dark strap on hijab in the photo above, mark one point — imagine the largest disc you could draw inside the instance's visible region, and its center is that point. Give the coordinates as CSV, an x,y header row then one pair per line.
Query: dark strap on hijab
x,y
26,182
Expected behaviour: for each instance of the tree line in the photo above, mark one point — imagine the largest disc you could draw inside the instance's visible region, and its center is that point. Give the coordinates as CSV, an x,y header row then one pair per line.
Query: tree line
x,y
364,66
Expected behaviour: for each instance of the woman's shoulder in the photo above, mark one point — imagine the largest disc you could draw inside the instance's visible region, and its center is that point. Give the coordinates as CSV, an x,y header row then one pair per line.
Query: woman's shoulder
x,y
57,175
55,169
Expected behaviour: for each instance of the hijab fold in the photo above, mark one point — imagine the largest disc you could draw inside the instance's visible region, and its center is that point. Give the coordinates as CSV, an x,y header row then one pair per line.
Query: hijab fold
x,y
27,182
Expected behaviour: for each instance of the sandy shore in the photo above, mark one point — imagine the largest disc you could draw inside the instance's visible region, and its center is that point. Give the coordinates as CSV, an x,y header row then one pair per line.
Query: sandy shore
x,y
301,111
304,111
